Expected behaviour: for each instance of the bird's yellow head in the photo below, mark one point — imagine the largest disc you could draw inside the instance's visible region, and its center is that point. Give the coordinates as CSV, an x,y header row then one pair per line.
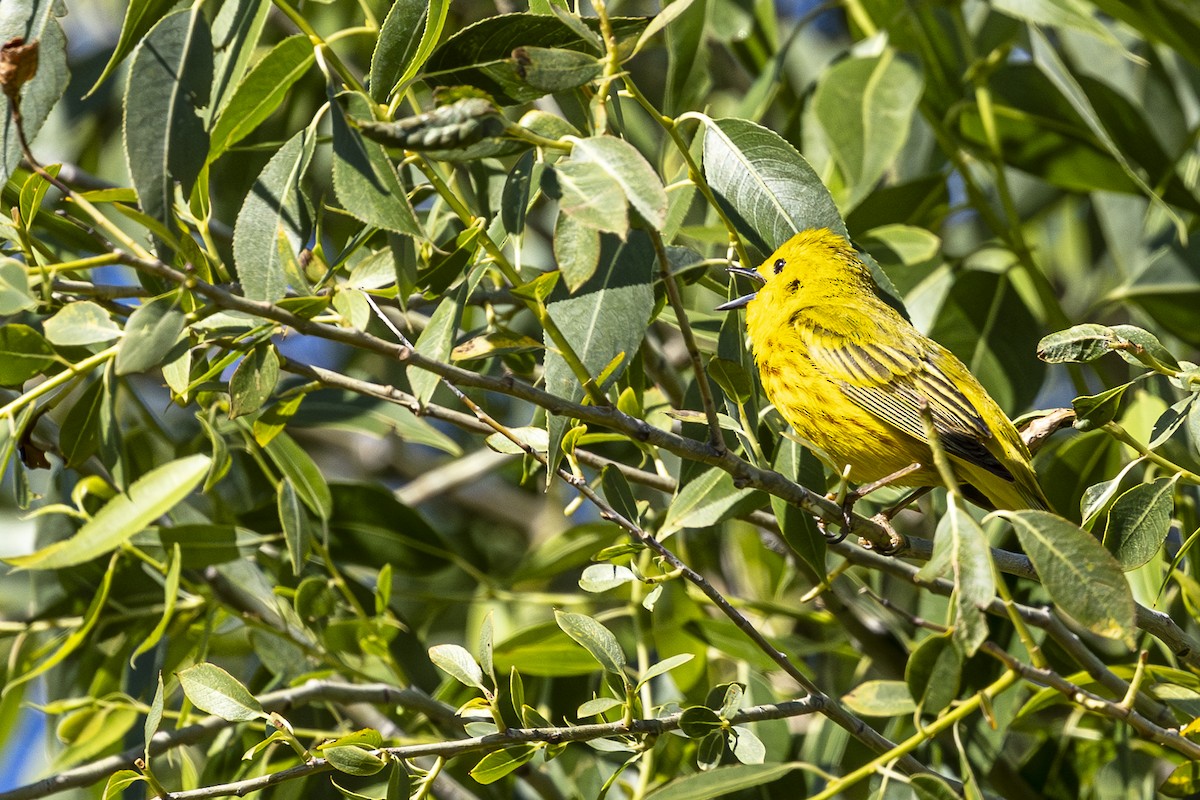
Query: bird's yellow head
x,y
813,261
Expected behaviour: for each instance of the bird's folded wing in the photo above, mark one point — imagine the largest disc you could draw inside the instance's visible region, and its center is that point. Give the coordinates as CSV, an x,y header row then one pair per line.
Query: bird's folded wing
x,y
891,382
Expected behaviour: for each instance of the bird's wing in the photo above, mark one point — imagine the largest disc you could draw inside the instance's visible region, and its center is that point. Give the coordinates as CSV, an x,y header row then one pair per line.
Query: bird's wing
x,y
890,382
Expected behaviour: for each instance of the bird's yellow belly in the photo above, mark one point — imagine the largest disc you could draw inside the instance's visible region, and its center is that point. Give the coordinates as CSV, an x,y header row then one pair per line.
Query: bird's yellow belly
x,y
838,431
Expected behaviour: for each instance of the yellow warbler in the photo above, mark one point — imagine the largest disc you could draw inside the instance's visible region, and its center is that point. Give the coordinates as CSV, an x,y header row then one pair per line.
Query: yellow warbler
x,y
849,374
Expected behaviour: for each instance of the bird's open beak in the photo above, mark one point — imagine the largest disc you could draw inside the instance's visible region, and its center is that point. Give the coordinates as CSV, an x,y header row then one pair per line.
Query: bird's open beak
x,y
743,300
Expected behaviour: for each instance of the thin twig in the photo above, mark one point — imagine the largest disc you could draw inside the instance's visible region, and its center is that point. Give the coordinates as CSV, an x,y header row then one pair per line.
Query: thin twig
x,y
309,693
715,439
1156,623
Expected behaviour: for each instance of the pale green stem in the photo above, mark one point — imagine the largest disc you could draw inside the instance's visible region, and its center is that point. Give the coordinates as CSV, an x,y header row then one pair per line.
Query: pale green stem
x,y
50,384
968,707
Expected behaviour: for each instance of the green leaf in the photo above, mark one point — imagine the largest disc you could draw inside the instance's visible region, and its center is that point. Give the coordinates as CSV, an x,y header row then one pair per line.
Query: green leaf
x,y
261,92
364,179
746,747
605,577
1184,781
1176,24
214,691
496,765
236,29
273,209
81,323
408,35
595,638
467,129
932,787
697,722
78,636
619,493
32,20
84,427
152,332
170,595
253,381
767,187
661,20
119,781
456,662
353,760
588,194
1146,349
665,666
1096,410
597,706
733,378
1139,521
1082,578
1048,59
480,55
154,716
798,527
271,422
721,782
866,107
150,496
1079,344
706,500
14,288
974,578
629,168
435,343
140,16
880,698
296,532
299,468
399,782
605,318
165,136
710,750
576,249
1070,14
555,70
514,201
23,354
934,672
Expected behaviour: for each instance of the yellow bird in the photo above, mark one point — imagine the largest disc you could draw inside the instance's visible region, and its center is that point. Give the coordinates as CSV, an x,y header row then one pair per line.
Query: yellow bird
x,y
849,374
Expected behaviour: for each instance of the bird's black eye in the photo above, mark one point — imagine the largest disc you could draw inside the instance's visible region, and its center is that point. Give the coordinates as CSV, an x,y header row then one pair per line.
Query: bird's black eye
x,y
779,265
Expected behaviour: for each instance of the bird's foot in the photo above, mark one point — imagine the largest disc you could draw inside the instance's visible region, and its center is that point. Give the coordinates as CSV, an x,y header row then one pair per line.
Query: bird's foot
x,y
898,542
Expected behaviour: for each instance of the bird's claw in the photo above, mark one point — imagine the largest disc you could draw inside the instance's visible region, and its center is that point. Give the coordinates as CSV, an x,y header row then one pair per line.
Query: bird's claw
x,y
898,541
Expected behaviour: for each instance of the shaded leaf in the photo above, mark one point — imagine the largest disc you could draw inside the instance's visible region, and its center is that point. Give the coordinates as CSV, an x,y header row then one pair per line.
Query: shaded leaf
x,y
152,331
721,782
273,210
363,177
408,35
165,136
866,106
1083,578
23,354
1139,521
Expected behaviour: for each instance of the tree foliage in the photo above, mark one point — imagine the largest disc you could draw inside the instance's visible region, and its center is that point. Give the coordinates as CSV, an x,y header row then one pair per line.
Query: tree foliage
x,y
363,400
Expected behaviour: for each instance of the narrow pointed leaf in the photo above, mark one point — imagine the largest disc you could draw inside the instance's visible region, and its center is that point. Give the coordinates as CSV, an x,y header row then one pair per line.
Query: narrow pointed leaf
x,y
150,496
